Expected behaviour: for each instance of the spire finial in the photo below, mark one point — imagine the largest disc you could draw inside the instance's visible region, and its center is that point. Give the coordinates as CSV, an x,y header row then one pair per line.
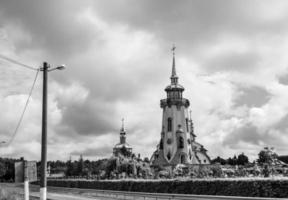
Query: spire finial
x,y
173,49
174,77
122,124
173,64
190,114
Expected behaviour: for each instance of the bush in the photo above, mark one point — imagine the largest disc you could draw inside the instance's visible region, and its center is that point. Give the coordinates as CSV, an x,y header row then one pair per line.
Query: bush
x,y
225,187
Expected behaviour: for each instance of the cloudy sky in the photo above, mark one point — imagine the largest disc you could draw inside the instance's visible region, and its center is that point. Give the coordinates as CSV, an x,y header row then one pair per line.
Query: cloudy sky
x,y
231,58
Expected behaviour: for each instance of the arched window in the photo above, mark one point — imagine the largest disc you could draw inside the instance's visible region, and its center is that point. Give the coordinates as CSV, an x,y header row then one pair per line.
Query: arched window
x,y
169,124
161,144
181,143
182,159
169,155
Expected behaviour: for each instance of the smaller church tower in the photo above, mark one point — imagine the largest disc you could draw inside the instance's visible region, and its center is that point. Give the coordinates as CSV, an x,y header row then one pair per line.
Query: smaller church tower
x,y
123,147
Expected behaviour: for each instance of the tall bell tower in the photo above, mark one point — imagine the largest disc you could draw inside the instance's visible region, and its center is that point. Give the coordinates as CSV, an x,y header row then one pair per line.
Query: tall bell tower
x,y
176,145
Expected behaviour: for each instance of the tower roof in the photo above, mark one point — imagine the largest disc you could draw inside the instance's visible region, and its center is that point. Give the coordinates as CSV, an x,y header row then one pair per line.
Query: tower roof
x,y
174,77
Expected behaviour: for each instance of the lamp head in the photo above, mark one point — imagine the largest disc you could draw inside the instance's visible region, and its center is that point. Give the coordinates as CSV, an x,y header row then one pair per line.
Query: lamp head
x,y
61,67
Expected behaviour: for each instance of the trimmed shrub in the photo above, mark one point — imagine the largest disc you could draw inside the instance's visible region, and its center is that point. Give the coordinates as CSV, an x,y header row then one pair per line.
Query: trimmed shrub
x,y
225,187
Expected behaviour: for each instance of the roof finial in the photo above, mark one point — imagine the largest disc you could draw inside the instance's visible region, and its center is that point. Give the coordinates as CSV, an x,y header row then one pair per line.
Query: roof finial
x,y
122,124
174,77
173,64
173,49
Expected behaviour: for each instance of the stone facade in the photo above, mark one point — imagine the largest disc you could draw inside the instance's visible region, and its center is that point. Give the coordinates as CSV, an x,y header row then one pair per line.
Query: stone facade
x,y
177,144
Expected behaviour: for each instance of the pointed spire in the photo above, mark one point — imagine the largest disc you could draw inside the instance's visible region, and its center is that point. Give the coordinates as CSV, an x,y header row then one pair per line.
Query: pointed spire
x,y
174,77
122,128
173,64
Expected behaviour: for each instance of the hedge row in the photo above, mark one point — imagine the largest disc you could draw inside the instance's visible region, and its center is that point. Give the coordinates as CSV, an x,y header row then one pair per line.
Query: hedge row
x,y
250,188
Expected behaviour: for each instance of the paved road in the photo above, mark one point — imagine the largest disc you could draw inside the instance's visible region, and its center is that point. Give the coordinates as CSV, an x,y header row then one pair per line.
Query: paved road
x,y
53,193
57,193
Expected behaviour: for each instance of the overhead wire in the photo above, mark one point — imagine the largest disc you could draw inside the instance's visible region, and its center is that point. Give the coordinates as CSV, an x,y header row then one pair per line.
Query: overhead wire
x,y
17,62
24,110
28,99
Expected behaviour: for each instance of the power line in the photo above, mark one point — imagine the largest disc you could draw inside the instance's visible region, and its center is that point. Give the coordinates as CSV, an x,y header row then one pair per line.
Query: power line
x,y
17,63
22,115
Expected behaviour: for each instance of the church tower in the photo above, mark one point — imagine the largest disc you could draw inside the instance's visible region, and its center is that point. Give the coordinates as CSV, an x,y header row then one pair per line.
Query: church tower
x,y
123,146
177,135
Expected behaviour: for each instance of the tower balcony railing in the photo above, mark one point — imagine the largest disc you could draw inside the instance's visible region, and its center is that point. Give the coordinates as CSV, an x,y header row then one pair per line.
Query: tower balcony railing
x,y
174,101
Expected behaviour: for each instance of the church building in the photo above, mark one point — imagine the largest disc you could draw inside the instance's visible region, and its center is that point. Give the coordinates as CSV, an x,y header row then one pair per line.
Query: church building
x,y
123,147
177,143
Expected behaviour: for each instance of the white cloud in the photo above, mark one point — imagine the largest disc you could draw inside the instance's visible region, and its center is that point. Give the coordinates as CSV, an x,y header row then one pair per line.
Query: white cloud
x,y
119,64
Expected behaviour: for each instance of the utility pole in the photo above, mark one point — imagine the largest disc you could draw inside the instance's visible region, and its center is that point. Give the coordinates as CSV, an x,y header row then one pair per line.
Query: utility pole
x,y
43,180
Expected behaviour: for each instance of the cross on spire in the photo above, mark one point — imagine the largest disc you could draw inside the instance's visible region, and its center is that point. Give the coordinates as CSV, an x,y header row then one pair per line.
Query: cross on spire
x,y
173,49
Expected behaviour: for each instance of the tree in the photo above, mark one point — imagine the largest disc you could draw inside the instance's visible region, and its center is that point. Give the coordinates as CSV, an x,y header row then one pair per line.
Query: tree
x,y
267,156
80,166
69,169
146,159
219,160
232,161
110,166
2,169
124,151
242,159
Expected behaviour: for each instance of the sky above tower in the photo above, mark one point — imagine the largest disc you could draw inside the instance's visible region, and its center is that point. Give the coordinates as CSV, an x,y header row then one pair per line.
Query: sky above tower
x,y
230,57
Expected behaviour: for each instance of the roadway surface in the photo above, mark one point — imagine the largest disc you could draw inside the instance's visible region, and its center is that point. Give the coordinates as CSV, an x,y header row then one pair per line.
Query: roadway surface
x,y
59,193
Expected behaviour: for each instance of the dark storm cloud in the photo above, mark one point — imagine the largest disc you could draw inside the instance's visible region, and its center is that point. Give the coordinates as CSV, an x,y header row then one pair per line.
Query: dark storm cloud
x,y
52,25
252,97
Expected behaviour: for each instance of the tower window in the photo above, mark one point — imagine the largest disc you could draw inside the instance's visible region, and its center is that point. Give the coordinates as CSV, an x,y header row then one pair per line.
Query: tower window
x,y
169,155
169,124
161,144
182,159
187,125
181,143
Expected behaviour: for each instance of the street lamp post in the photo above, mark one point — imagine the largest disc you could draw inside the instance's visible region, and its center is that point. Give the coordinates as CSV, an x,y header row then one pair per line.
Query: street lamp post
x,y
43,180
